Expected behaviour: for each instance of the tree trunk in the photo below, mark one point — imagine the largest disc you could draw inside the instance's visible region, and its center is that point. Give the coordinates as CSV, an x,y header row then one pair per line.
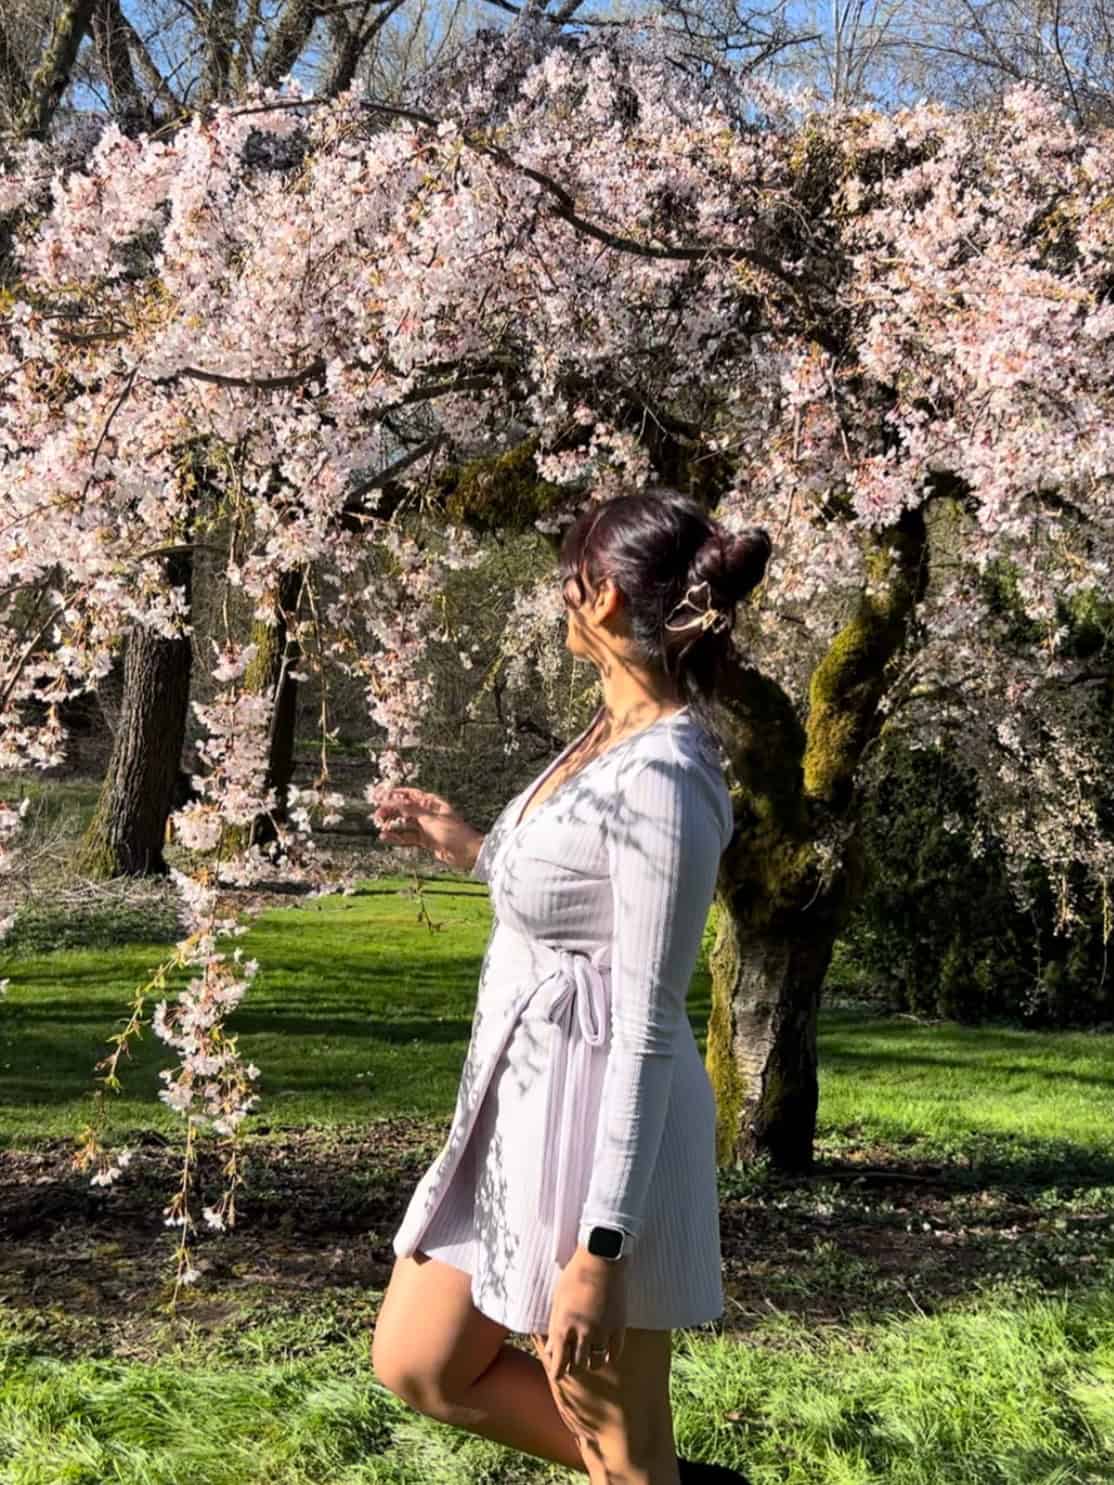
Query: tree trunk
x,y
52,75
110,37
126,834
762,1035
269,674
794,868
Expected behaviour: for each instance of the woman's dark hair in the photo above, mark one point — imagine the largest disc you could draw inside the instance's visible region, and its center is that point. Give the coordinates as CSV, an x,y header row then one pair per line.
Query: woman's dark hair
x,y
671,561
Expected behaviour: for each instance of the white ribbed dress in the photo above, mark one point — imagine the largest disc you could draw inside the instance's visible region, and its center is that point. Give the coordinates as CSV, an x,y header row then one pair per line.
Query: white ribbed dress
x,y
599,1108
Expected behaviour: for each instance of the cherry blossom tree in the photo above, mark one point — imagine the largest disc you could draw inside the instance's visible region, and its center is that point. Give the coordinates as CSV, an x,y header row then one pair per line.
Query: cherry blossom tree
x,y
218,49
885,339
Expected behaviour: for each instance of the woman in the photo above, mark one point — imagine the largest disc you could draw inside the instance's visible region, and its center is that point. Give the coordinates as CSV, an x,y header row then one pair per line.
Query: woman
x,y
575,1200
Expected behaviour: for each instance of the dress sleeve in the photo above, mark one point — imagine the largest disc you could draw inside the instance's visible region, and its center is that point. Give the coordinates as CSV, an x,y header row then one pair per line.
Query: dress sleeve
x,y
664,844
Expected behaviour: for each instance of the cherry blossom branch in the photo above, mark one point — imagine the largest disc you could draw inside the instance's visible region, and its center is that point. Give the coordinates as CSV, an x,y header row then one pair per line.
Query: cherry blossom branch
x,y
567,212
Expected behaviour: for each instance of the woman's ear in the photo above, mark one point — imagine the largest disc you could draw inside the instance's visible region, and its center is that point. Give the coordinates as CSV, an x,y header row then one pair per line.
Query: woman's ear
x,y
608,601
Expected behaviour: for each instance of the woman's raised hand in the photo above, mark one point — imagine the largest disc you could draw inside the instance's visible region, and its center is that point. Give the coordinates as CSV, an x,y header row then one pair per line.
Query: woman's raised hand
x,y
414,817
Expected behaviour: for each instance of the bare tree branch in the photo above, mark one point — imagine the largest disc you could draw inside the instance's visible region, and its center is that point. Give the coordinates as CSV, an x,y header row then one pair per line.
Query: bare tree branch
x,y
348,55
110,39
1057,39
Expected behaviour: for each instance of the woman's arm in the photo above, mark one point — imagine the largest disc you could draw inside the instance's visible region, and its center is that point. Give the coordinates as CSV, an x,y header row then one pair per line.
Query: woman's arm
x,y
664,845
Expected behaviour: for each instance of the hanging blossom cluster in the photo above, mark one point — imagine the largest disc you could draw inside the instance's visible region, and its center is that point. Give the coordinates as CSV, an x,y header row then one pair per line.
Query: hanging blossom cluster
x,y
235,751
210,1074
574,246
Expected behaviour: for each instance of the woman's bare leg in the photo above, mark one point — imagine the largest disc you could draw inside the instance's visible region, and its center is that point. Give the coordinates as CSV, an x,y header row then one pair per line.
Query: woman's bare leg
x,y
620,1412
436,1351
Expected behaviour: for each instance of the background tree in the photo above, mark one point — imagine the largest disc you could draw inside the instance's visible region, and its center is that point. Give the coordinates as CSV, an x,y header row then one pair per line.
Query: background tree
x,y
233,44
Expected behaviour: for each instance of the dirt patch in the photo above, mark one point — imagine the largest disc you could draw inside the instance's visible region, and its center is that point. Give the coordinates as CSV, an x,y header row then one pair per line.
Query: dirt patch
x,y
319,1210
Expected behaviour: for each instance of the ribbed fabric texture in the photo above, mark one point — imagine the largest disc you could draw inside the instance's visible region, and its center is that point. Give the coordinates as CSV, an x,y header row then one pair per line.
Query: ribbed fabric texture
x,y
663,853
624,854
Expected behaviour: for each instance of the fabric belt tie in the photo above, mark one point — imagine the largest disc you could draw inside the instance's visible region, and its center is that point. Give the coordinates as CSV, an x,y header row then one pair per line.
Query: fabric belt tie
x,y
580,1013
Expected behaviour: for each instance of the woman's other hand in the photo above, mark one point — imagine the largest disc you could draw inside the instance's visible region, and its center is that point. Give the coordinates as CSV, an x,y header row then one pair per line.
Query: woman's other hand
x,y
588,1316
414,817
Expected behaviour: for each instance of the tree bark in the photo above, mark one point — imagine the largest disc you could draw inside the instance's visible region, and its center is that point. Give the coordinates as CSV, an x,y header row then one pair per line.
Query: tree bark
x,y
779,906
762,1058
52,76
126,834
14,86
110,37
269,674
288,41
220,44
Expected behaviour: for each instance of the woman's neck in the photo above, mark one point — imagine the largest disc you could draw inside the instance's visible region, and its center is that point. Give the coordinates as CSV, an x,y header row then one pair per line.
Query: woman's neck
x,y
630,704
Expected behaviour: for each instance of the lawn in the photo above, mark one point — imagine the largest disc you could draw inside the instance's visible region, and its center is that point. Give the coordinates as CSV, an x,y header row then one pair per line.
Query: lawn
x,y
933,1305
363,1005
359,1010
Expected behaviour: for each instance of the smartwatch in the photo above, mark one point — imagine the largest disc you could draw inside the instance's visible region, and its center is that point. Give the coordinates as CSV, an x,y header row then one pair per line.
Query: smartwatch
x,y
607,1242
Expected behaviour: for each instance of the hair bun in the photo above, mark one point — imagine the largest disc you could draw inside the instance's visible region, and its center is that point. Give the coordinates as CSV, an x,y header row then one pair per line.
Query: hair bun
x,y
733,562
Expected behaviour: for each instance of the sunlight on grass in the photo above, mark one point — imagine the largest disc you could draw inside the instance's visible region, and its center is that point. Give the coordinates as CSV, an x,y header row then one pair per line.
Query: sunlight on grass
x,y
890,1078
362,1011
358,1010
1007,1390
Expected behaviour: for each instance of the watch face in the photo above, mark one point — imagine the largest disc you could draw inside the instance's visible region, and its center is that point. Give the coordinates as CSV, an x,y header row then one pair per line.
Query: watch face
x,y
605,1242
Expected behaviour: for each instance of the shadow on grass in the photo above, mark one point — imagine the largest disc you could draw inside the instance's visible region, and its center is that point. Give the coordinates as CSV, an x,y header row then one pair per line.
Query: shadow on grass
x,y
320,1207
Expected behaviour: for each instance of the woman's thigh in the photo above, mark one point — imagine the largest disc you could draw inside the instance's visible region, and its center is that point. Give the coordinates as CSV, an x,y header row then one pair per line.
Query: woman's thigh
x,y
620,1411
430,1342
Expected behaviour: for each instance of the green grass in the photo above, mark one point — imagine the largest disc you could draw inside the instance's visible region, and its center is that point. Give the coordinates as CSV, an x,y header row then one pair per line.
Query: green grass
x,y
1011,1389
52,799
360,1010
825,1371
1036,1098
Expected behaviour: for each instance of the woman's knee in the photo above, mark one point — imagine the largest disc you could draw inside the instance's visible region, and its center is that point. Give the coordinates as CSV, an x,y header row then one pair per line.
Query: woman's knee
x,y
621,1411
430,1365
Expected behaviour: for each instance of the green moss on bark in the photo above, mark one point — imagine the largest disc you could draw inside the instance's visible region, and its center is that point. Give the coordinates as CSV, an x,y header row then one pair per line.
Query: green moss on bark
x,y
847,685
724,1073
500,489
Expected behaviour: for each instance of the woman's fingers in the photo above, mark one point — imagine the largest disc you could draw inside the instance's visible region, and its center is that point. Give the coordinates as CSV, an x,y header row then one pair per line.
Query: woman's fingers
x,y
402,804
407,795
559,1349
402,832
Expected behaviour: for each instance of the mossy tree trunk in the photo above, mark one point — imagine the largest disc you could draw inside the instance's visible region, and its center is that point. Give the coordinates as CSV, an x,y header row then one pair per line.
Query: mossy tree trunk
x,y
780,908
269,674
762,1056
51,77
126,834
